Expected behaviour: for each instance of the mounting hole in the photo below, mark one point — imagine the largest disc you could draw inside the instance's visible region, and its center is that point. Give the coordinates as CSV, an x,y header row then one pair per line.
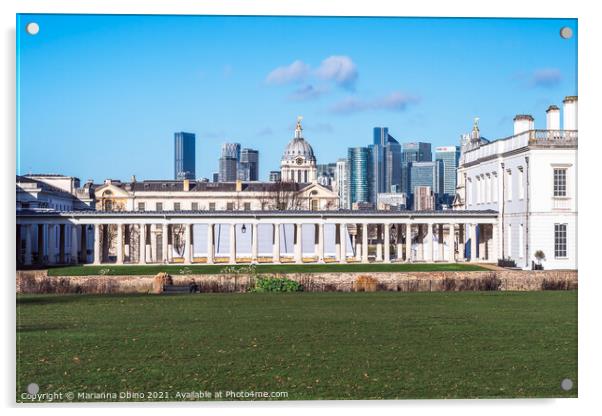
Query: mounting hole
x,y
566,32
32,28
566,384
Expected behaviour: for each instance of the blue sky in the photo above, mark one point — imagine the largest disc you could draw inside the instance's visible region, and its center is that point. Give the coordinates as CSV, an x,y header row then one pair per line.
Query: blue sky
x,y
101,96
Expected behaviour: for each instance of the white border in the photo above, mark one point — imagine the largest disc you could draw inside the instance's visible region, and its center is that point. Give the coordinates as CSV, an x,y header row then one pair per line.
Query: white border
x,y
590,70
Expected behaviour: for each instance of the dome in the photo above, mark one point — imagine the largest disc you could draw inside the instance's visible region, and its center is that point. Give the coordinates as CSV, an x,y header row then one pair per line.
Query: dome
x,y
298,147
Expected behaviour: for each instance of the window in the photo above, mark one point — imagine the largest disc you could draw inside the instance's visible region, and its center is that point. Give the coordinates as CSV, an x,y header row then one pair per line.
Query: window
x,y
521,185
230,206
469,192
211,206
509,185
195,206
559,240
247,206
560,182
159,206
141,206
176,206
314,204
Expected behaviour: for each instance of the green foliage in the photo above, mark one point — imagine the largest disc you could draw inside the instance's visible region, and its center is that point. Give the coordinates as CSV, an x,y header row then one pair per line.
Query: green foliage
x,y
276,284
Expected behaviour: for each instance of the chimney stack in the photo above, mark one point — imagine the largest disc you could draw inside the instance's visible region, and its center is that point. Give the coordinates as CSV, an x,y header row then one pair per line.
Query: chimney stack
x,y
186,185
570,113
523,123
553,118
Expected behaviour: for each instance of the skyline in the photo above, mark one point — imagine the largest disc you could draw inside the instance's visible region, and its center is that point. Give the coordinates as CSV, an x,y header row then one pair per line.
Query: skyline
x,y
249,81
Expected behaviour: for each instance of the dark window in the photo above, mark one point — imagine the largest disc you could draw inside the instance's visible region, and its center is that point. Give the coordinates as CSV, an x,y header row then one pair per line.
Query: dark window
x,y
141,206
195,206
230,206
176,206
211,206
247,206
159,206
559,240
559,182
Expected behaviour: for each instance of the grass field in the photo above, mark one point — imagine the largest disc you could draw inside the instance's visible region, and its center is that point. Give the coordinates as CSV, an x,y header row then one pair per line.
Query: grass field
x,y
261,268
381,345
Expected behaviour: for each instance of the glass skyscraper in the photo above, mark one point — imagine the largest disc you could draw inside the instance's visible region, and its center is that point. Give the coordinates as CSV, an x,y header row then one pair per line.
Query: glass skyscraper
x,y
386,163
184,156
413,152
249,165
427,174
359,165
449,156
228,162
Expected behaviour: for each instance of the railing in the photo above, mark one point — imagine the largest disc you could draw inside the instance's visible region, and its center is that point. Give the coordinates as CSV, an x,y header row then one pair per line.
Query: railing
x,y
532,137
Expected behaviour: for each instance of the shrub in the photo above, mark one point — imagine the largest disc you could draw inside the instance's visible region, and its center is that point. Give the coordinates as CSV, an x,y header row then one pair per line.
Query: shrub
x,y
554,284
507,262
276,284
365,284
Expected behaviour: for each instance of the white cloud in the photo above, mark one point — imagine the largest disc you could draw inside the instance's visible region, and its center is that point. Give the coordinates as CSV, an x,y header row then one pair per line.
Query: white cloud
x,y
295,72
308,92
395,101
340,69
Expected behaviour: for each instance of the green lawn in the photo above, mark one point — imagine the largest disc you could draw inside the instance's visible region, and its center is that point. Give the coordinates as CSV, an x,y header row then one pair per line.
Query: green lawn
x,y
381,345
261,268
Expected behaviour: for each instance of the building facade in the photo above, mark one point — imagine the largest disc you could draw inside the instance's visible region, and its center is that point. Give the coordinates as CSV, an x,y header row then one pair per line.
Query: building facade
x,y
341,180
228,162
386,164
429,174
530,179
249,165
413,152
184,156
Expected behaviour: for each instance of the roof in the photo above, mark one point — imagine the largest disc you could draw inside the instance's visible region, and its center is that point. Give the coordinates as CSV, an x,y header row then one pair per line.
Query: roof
x,y
198,186
43,185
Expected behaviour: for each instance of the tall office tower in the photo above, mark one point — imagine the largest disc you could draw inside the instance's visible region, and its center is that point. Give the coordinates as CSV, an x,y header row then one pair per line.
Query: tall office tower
x,y
275,176
326,173
341,183
215,177
228,162
359,166
184,156
249,165
427,174
413,152
386,154
450,157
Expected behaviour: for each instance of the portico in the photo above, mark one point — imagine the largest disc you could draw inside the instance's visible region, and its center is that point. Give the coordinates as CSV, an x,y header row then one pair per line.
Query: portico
x,y
356,236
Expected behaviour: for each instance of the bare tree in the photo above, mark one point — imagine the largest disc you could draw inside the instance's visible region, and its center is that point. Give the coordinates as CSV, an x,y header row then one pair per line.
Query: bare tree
x,y
281,196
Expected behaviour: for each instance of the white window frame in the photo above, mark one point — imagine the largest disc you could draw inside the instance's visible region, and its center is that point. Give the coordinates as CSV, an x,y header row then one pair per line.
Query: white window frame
x,y
558,242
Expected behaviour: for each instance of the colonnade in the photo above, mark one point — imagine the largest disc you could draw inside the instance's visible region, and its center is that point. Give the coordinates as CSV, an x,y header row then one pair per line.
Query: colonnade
x,y
155,240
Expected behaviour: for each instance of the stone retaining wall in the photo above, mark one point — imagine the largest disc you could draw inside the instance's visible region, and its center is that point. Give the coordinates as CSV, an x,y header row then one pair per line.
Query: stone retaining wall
x,y
39,282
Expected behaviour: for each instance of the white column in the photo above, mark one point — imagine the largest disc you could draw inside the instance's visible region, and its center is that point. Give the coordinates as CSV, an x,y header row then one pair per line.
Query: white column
x,y
408,242
364,243
119,243
187,246
27,230
298,243
473,242
164,243
428,256
358,242
233,243
96,243
337,242
399,243
255,243
440,242
386,244
210,243
142,244
74,244
276,244
451,240
494,254
153,244
321,243
51,229
343,238
379,244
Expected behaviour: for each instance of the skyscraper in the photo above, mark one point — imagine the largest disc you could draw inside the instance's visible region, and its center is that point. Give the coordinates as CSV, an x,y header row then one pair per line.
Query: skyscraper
x,y
449,156
386,154
341,180
184,156
413,152
326,173
248,169
359,166
427,174
228,162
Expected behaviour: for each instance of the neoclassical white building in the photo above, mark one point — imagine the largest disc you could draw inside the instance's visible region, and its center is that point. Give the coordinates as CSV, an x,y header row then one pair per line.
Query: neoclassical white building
x,y
298,162
530,179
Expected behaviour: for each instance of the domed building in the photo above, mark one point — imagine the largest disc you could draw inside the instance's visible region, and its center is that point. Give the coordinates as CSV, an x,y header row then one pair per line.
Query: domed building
x,y
298,162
